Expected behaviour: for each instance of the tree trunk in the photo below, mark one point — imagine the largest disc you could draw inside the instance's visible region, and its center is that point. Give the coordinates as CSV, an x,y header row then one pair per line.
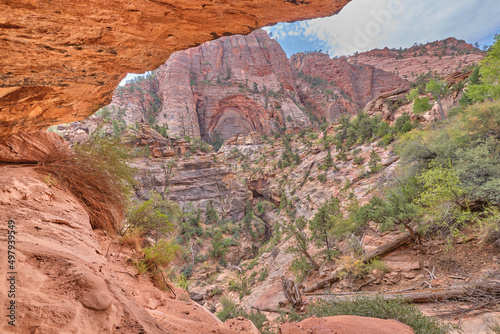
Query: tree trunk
x,y
441,111
473,289
292,292
327,247
311,260
382,250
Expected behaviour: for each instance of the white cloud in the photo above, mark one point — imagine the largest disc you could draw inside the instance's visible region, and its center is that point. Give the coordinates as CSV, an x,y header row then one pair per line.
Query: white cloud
x,y
366,24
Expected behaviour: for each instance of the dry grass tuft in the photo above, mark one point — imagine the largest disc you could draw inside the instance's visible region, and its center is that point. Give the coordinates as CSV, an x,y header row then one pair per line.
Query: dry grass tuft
x,y
98,174
133,237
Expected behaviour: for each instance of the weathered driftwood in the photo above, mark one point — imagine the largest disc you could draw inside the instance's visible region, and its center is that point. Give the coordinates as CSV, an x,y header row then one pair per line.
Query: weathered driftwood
x,y
292,292
472,289
382,250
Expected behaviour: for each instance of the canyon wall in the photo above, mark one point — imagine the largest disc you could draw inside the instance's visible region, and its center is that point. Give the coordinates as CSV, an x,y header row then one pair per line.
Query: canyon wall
x,y
242,84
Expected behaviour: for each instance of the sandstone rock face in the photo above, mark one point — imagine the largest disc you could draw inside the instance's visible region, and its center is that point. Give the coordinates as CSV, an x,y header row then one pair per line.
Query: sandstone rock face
x,y
335,86
233,85
219,87
65,284
198,181
346,324
31,147
60,63
444,57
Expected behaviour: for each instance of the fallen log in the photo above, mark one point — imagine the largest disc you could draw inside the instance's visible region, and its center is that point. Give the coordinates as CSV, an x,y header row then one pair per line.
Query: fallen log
x,y
479,288
380,251
292,292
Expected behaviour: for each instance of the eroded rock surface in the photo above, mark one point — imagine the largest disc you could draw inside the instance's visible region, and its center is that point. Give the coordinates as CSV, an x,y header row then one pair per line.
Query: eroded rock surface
x,y
62,61
346,324
198,181
442,57
64,282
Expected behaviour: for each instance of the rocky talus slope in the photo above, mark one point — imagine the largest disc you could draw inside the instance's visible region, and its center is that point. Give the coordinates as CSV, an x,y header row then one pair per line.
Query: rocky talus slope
x,y
71,279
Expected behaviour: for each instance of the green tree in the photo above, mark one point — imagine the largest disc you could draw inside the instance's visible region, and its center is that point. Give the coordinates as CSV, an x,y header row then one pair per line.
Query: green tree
x,y
324,222
420,105
374,162
396,209
438,89
211,216
328,160
443,198
489,73
296,230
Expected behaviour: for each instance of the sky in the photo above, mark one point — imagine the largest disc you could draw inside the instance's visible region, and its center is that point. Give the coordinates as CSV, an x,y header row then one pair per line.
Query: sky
x,y
363,25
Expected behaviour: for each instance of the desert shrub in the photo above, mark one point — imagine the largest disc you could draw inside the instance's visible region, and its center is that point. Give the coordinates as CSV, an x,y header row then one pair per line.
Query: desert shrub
x,y
156,216
211,216
251,264
490,225
219,247
161,254
322,177
198,144
377,307
229,310
187,270
359,160
263,275
190,225
98,174
133,237
241,285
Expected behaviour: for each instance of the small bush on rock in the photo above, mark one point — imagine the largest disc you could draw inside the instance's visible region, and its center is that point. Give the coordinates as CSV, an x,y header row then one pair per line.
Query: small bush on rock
x,y
97,173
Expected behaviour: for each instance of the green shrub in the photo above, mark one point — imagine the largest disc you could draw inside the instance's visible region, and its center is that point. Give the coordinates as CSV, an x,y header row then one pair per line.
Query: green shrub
x,y
322,177
359,160
240,285
160,254
251,264
156,216
263,275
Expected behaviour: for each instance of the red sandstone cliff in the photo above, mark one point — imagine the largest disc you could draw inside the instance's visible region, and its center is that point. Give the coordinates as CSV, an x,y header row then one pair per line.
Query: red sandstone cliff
x,y
240,84
330,87
443,57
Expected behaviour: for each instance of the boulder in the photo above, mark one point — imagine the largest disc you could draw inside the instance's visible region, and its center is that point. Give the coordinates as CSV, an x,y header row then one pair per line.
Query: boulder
x,y
345,324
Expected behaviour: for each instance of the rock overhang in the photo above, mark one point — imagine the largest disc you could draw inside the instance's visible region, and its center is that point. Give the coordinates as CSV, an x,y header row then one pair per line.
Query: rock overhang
x,y
62,61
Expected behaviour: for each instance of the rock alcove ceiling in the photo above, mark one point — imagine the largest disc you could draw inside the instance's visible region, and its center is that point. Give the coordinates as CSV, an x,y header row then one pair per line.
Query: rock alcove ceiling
x,y
62,60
